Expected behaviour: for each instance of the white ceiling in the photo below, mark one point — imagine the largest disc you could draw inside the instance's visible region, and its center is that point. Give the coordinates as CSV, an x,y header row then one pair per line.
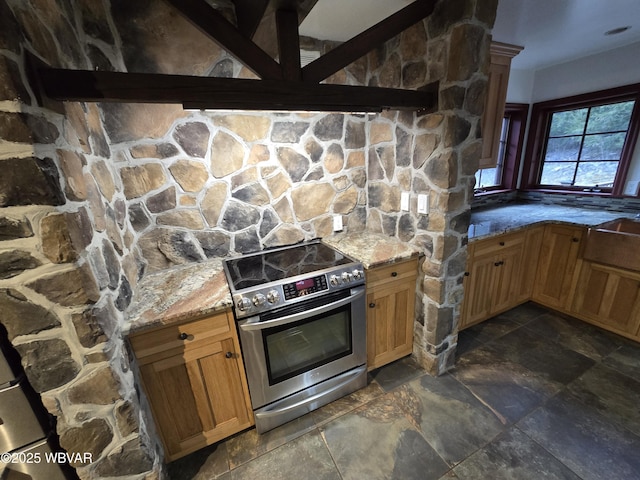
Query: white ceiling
x,y
557,31
552,31
341,20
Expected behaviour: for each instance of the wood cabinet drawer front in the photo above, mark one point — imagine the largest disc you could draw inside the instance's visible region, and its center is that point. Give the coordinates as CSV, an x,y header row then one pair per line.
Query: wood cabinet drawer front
x,y
392,272
183,336
499,243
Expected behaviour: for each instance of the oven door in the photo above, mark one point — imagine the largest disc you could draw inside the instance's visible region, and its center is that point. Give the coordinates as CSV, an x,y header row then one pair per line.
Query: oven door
x,y
300,346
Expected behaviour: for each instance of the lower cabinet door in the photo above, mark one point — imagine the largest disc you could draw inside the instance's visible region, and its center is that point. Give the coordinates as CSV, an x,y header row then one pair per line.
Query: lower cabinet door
x,y
609,297
197,396
390,323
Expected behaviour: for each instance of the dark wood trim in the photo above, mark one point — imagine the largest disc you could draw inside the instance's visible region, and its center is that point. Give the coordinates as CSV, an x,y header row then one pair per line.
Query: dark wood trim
x,y
518,113
351,50
289,44
265,35
228,93
249,13
540,123
213,24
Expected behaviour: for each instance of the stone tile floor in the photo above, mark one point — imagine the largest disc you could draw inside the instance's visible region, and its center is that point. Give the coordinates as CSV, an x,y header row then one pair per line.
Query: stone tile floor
x,y
533,395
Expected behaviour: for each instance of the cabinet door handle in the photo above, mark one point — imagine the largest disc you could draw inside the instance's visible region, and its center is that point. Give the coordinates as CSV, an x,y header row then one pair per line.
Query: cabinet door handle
x,y
501,244
575,239
183,336
466,274
228,354
497,264
372,305
394,274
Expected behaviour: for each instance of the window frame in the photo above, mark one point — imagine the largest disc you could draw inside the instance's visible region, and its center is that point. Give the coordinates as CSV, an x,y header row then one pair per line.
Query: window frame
x,y
518,114
541,114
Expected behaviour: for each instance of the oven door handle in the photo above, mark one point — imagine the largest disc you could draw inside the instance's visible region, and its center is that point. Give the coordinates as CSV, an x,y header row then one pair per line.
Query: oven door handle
x,y
256,324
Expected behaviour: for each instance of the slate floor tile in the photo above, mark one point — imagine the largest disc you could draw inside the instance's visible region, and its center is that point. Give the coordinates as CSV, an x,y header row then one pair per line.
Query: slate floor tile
x,y
397,373
625,359
487,331
379,442
612,394
248,445
542,358
524,313
571,333
305,457
346,404
452,420
209,463
513,456
583,440
495,374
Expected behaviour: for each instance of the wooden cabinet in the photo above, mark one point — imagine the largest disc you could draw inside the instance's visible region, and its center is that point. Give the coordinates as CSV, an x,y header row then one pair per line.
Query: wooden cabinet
x,y
391,291
529,265
501,55
557,265
194,378
608,297
493,280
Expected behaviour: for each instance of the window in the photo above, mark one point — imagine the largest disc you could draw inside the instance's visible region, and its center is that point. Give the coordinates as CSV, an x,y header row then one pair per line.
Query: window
x,y
583,143
504,175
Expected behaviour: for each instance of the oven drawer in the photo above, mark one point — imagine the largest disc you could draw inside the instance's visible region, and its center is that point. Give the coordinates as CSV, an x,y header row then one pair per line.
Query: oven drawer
x,y
391,273
164,341
18,424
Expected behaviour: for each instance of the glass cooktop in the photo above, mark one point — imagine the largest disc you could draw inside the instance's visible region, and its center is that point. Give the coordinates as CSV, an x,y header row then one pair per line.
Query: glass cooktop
x,y
281,263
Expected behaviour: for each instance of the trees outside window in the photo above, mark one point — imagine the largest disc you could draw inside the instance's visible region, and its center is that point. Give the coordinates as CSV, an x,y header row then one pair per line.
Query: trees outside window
x,y
583,143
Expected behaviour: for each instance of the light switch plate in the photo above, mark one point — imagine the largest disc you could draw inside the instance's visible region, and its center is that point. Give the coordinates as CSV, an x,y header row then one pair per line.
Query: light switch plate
x,y
337,223
404,201
423,204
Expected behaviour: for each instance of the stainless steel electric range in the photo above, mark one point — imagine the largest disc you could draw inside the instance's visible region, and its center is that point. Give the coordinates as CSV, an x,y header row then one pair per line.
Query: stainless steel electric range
x,y
301,318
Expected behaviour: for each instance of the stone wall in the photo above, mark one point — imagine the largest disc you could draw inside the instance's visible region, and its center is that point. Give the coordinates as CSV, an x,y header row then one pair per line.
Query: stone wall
x,y
104,193
67,262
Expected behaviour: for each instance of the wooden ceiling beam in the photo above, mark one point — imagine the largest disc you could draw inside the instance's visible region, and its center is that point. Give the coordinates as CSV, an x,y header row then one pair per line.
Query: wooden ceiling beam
x,y
265,36
213,24
289,44
227,93
353,49
249,13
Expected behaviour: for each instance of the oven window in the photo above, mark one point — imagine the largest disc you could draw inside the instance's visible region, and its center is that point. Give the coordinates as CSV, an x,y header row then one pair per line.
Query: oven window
x,y
305,345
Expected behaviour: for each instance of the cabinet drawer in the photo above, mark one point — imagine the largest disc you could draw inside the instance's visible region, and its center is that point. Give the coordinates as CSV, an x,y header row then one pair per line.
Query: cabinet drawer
x,y
498,243
182,336
393,272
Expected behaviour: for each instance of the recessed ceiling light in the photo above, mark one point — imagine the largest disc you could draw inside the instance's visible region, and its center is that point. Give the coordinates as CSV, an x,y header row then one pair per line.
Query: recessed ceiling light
x,y
616,31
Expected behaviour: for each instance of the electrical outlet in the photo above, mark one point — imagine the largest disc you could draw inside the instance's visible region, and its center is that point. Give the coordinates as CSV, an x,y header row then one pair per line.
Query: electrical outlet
x,y
337,223
404,201
423,204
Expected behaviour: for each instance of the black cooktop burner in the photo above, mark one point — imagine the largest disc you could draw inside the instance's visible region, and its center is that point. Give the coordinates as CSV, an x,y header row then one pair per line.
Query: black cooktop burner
x,y
279,264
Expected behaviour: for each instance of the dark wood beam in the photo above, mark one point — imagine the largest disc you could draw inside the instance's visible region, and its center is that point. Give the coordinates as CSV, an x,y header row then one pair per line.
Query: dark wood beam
x,y
288,44
227,93
351,50
265,36
212,23
249,13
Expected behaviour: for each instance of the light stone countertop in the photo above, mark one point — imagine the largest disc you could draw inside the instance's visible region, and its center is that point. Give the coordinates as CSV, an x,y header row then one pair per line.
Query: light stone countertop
x,y
488,222
177,294
371,249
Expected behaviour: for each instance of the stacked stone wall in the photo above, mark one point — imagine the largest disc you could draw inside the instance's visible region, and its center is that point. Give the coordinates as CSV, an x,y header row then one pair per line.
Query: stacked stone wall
x,y
95,197
67,261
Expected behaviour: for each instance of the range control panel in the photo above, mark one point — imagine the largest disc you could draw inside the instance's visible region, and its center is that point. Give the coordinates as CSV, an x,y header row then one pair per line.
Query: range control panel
x,y
259,300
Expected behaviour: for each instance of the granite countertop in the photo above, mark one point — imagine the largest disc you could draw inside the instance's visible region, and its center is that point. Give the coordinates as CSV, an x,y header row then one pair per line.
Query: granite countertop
x,y
493,221
371,249
177,294
194,290
198,289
